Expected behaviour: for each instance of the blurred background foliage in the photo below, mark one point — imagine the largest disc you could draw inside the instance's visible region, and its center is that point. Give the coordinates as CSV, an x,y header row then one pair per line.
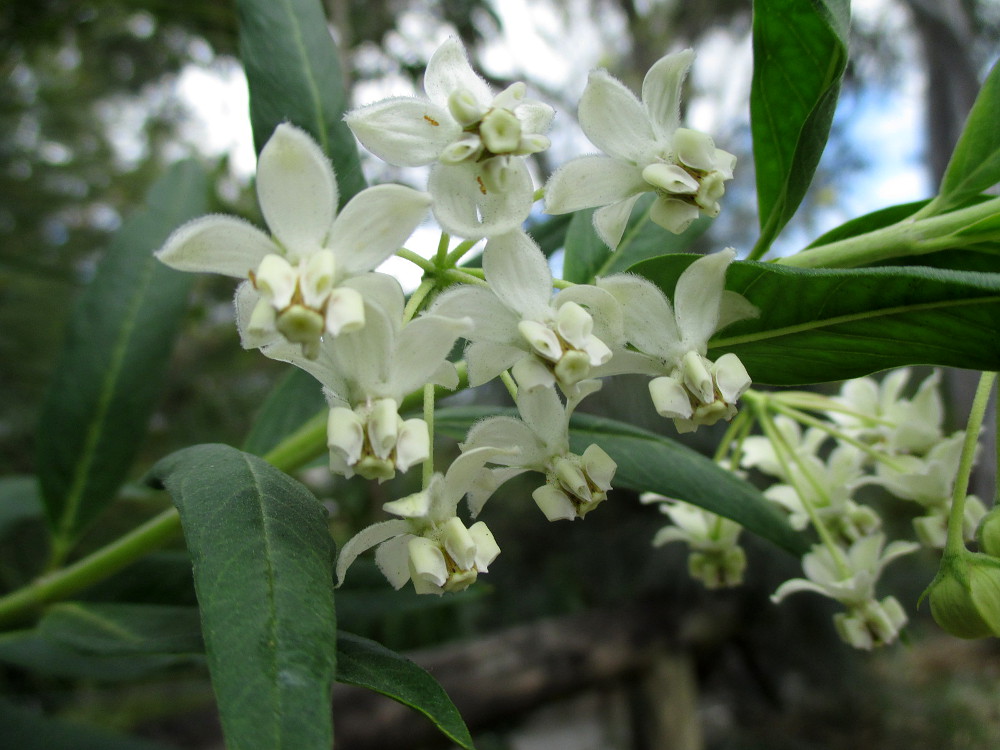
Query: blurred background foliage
x,y
90,114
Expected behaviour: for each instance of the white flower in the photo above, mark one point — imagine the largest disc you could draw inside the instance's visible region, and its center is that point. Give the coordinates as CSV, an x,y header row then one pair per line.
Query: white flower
x,y
366,375
672,341
850,577
429,544
877,412
716,557
574,484
644,150
475,139
303,280
519,323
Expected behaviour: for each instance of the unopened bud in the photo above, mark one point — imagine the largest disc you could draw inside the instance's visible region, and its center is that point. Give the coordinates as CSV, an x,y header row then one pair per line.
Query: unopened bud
x,y
965,596
988,533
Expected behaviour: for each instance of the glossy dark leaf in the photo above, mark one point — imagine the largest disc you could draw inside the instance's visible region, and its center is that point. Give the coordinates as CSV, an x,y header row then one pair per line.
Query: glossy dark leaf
x,y
365,663
107,379
294,75
800,53
263,561
822,325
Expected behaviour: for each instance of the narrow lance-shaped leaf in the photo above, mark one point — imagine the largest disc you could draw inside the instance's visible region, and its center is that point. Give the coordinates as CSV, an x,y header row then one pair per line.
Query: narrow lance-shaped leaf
x,y
975,163
263,562
108,377
365,663
118,629
648,462
294,75
297,397
820,325
800,53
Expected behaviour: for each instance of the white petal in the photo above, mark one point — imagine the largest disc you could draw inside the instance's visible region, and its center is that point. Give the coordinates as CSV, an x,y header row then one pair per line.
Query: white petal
x,y
661,91
731,377
488,359
427,564
491,319
297,190
695,149
464,470
698,296
253,335
530,374
217,244
501,432
464,207
416,505
449,70
603,307
670,399
421,347
535,116
613,119
486,546
673,215
554,503
542,340
670,178
588,181
413,445
405,131
459,544
543,412
381,290
393,559
610,221
365,540
518,273
796,585
648,318
734,307
375,224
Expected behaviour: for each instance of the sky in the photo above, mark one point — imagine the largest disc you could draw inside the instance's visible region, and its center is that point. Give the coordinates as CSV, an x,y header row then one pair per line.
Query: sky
x,y
884,125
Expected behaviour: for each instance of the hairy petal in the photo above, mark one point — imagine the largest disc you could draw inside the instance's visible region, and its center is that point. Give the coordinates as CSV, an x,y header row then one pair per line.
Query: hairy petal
x,y
449,70
661,91
613,119
405,131
375,224
217,244
594,180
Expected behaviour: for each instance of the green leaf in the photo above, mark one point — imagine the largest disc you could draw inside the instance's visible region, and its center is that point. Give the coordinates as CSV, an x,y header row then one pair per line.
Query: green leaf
x,y
123,629
365,663
880,219
296,398
263,562
648,462
800,53
108,376
975,163
585,251
30,650
820,325
26,729
294,75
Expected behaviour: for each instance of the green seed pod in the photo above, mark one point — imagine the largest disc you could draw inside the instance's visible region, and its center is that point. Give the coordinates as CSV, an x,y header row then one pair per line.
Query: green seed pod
x,y
988,533
965,596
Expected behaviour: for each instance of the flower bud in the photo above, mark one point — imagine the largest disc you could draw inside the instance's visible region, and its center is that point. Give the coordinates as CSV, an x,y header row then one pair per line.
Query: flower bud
x,y
965,596
988,533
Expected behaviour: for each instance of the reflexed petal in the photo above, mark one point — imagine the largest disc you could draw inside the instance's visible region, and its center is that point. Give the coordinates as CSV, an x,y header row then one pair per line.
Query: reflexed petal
x,y
734,307
661,91
697,298
518,273
530,374
405,131
253,334
375,224
421,347
365,540
588,181
796,585
610,221
464,471
673,215
488,359
297,190
505,431
543,412
449,70
393,560
465,208
217,244
613,119
648,318
492,320
416,505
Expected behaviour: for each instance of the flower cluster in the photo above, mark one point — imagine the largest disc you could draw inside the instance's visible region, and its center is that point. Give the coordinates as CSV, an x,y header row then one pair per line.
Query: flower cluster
x,y
311,295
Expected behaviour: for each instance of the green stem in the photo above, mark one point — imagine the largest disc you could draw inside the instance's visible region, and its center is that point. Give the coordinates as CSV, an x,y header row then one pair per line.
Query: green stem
x,y
955,543
509,384
417,299
442,251
458,253
911,236
418,260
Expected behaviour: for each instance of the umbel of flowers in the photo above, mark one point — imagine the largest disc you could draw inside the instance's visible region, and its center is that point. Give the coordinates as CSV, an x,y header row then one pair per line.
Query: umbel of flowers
x,y
311,295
